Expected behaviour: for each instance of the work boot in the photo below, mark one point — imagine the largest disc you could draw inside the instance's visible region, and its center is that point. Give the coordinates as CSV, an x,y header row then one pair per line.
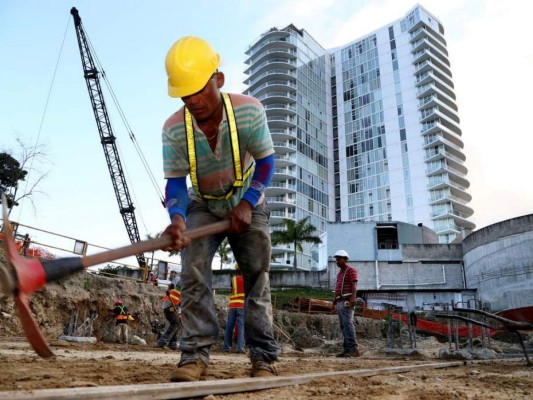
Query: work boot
x,y
263,369
189,372
352,354
340,355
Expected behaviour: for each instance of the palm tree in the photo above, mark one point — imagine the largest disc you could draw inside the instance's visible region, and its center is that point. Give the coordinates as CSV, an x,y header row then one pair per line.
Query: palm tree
x,y
149,236
224,251
296,233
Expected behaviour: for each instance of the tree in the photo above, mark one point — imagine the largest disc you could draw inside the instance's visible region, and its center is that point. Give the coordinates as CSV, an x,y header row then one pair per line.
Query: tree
x,y
10,174
15,168
146,270
296,234
224,251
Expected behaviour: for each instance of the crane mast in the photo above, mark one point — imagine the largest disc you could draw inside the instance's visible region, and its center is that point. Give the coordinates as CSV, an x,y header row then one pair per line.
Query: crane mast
x,y
107,138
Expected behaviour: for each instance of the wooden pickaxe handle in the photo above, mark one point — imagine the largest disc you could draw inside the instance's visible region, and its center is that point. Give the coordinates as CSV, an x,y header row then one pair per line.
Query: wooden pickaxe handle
x,y
153,244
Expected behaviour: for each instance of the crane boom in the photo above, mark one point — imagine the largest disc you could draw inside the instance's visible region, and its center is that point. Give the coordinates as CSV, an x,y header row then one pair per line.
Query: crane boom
x,y
91,74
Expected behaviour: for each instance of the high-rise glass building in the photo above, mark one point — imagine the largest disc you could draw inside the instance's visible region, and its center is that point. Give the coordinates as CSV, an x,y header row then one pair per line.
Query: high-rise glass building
x,y
368,131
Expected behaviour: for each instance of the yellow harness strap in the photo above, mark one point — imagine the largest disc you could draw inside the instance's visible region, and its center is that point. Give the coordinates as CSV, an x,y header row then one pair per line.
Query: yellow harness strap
x,y
237,166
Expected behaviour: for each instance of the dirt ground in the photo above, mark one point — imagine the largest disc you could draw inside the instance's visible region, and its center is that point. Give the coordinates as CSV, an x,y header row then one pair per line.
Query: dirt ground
x,y
100,364
108,364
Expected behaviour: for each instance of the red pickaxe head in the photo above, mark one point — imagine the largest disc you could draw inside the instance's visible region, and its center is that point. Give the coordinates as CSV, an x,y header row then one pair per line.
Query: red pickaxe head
x,y
21,277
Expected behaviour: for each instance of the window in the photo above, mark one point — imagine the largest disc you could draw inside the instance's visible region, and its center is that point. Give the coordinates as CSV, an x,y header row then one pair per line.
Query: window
x,y
387,236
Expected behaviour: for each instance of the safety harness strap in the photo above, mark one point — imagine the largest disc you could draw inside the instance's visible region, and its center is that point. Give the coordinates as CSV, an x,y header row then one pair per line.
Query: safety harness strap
x,y
240,178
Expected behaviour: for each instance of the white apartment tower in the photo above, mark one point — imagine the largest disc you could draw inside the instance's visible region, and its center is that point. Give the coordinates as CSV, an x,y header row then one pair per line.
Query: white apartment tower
x,y
365,132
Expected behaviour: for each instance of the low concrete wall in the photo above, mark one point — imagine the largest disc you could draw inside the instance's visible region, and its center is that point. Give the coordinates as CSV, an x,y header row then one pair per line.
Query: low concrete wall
x,y
498,263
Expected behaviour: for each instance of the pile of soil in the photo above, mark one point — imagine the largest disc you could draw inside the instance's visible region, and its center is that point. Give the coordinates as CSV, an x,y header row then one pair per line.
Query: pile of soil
x,y
74,299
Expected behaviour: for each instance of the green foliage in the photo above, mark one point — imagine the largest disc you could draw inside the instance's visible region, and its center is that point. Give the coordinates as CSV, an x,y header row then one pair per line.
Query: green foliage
x,y
282,298
224,251
87,285
296,233
10,174
111,269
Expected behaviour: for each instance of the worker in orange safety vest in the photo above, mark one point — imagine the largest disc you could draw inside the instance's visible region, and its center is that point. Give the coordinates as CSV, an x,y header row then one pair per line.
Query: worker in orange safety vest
x,y
121,322
235,313
171,309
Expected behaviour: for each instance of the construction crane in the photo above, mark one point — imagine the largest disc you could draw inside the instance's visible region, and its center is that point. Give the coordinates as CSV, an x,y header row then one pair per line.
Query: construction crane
x,y
91,74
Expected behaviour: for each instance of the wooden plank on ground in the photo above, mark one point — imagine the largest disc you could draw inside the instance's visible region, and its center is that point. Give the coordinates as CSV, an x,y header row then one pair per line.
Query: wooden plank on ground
x,y
203,388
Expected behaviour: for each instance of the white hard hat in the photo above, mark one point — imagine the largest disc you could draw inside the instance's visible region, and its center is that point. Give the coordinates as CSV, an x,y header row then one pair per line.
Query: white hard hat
x,y
342,253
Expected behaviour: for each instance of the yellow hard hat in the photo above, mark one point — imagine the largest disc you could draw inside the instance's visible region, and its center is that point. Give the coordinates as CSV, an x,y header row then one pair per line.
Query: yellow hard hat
x,y
190,63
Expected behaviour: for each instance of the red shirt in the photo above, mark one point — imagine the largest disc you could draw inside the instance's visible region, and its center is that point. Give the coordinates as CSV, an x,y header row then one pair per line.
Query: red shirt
x,y
345,280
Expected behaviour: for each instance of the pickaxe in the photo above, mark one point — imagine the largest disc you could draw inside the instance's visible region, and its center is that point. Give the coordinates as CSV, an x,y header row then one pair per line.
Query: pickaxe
x,y
23,276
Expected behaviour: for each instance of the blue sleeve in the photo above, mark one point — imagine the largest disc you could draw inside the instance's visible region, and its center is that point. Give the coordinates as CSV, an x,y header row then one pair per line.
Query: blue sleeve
x,y
176,197
264,169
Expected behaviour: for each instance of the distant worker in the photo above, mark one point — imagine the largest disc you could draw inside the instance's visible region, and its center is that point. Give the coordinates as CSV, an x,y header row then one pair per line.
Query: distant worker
x,y
26,244
174,278
171,302
235,313
344,302
152,279
121,322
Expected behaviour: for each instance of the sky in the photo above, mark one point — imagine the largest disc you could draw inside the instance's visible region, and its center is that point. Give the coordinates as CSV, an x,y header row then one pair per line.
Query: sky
x,y
44,100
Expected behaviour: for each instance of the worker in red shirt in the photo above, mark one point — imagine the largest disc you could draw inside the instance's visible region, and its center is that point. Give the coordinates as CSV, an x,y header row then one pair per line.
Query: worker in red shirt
x,y
344,303
235,313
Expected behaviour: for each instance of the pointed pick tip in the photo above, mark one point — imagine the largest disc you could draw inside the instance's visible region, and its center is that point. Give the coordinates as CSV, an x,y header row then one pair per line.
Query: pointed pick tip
x,y
31,328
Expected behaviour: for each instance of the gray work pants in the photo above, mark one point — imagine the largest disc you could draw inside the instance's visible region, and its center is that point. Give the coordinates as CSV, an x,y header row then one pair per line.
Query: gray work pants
x,y
252,252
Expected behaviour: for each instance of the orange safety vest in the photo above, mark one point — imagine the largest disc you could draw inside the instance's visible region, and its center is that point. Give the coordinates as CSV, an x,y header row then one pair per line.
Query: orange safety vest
x,y
174,298
123,313
236,297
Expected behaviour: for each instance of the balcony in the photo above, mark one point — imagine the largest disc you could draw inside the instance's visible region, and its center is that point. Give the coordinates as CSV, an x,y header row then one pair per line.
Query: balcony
x,y
273,38
281,73
285,173
285,160
283,148
445,182
275,63
460,218
283,134
277,217
280,202
435,100
280,109
438,127
280,188
443,152
270,97
278,52
281,122
445,93
446,116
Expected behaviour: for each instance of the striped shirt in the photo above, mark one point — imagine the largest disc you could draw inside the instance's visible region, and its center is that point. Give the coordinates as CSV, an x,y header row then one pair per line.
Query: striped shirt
x,y
345,280
215,169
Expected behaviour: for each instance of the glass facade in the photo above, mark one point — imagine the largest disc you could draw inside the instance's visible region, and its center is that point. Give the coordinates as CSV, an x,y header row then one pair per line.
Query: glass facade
x,y
288,73
368,131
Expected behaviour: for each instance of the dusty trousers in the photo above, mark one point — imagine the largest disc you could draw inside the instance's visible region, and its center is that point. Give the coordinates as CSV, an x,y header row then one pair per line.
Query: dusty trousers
x,y
252,251
170,336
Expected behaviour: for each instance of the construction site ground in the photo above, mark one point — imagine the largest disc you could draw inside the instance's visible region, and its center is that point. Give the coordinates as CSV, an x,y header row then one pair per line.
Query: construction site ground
x,y
105,363
100,364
